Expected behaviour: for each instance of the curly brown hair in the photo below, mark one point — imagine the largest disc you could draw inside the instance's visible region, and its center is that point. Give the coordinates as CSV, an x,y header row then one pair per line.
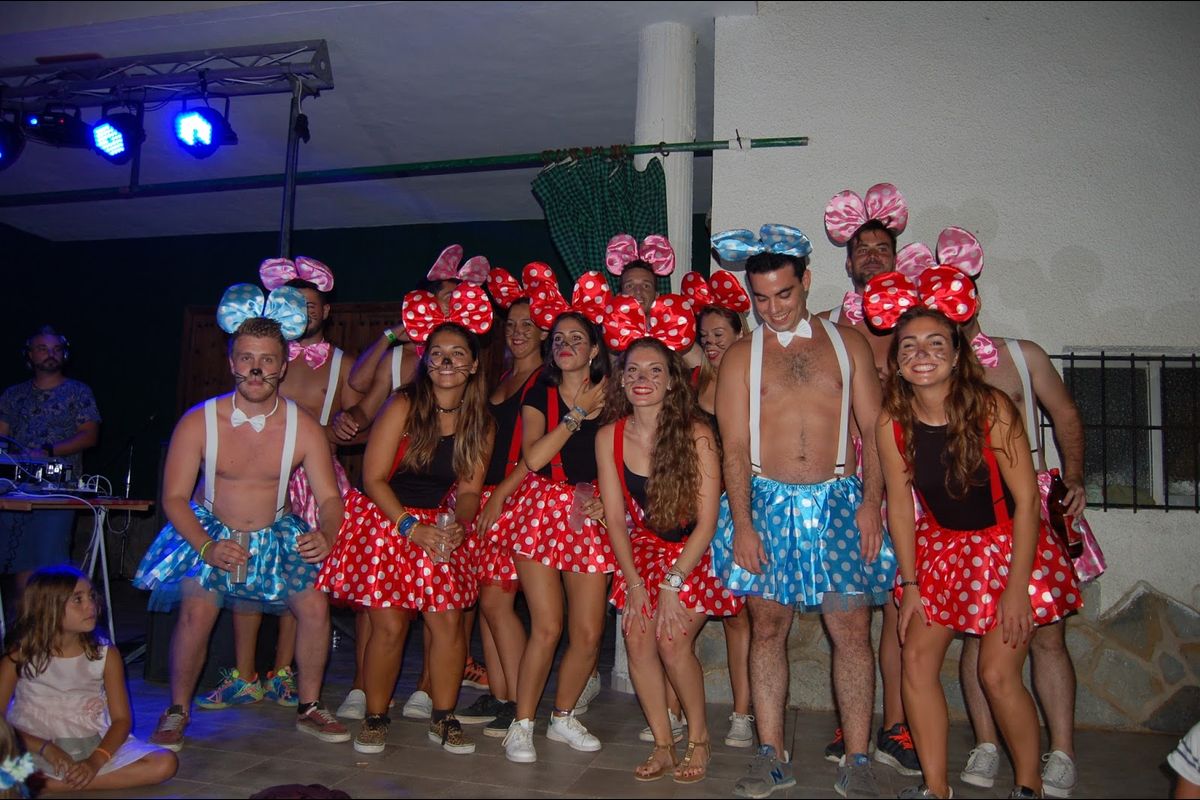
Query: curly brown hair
x,y
674,481
474,419
972,406
33,640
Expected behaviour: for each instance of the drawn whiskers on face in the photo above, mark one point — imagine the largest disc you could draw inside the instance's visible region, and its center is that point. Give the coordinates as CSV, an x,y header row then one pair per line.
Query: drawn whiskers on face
x,y
271,380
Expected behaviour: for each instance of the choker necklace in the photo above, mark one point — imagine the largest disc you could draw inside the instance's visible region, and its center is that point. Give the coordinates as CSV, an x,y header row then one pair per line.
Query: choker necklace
x,y
441,410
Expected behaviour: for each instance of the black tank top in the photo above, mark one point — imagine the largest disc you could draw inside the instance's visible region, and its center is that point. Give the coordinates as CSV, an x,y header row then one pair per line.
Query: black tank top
x,y
579,453
971,512
427,489
636,484
506,413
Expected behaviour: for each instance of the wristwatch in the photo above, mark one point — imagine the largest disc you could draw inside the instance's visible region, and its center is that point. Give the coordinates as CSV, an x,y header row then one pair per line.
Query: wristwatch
x,y
572,422
674,579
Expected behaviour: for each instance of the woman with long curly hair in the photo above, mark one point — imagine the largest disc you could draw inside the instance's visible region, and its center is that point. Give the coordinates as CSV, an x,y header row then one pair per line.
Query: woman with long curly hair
x,y
392,556
659,462
977,561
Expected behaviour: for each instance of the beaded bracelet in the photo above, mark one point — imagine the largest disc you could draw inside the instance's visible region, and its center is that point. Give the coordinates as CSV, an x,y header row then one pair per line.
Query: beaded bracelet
x,y
204,547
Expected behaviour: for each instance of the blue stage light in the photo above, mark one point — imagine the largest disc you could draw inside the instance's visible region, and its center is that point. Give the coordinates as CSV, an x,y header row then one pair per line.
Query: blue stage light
x,y
117,137
202,130
12,142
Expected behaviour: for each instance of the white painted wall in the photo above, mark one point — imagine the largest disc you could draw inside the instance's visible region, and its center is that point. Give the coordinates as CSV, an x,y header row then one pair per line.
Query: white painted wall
x,y
1062,135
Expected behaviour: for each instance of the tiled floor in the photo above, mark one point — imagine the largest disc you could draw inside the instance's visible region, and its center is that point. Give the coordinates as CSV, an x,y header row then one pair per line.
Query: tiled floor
x,y
235,753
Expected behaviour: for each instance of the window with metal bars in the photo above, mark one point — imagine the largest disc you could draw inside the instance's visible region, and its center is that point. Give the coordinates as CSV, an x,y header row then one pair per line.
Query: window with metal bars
x,y
1141,421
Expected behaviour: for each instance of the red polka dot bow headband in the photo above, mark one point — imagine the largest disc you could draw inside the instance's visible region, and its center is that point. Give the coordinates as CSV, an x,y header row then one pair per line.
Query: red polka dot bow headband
x,y
546,302
670,321
723,290
945,289
847,212
655,250
469,307
446,268
505,289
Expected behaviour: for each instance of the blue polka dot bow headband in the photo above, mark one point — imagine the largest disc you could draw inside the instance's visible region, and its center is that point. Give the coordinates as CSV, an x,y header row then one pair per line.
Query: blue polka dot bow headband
x,y
243,301
739,245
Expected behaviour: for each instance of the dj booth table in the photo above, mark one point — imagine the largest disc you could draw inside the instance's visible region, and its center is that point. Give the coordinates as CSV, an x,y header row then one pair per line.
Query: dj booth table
x,y
97,553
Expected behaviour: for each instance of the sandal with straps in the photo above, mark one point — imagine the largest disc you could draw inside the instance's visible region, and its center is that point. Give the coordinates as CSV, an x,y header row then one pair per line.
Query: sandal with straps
x,y
685,764
652,769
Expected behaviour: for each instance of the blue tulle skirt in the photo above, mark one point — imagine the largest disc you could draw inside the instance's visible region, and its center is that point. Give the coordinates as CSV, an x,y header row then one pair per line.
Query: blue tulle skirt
x,y
812,544
274,572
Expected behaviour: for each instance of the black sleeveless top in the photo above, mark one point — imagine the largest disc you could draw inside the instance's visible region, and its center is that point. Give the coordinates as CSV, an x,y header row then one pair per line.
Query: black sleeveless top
x,y
579,453
427,489
506,413
971,512
636,485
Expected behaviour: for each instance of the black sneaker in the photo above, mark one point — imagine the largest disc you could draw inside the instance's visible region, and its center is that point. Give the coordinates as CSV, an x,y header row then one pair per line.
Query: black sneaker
x,y
894,747
504,718
835,750
484,709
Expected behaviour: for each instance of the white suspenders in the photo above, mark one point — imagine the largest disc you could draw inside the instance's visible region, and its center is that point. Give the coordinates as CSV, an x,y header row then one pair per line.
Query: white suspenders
x,y
331,388
397,360
1031,426
210,455
756,355
835,315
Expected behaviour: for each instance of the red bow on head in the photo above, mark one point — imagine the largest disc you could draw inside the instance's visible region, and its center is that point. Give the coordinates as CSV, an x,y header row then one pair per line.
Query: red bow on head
x,y
475,271
943,289
546,302
655,250
505,289
670,321
469,307
276,272
723,289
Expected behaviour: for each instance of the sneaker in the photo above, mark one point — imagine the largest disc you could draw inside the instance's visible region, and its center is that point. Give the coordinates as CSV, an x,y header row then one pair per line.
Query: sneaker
x,y
741,730
505,715
354,706
475,675
767,775
590,690
570,731
835,751
894,747
320,723
232,691
372,734
171,725
281,687
855,778
1059,775
1023,793
921,792
419,705
448,733
677,724
518,742
982,765
484,709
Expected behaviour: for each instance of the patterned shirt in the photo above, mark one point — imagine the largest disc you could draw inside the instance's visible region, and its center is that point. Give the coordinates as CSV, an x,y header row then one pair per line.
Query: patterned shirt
x,y
36,416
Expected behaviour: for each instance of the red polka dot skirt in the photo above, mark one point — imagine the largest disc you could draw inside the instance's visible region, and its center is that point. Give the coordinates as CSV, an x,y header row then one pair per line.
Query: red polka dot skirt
x,y
961,575
702,592
373,566
534,525
494,564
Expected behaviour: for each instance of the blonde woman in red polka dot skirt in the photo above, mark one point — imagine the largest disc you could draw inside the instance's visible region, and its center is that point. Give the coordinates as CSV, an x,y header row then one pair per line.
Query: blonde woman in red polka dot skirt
x,y
660,463
979,561
392,556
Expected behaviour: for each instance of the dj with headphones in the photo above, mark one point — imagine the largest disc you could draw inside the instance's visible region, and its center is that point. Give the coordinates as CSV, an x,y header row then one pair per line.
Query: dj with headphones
x,y
49,415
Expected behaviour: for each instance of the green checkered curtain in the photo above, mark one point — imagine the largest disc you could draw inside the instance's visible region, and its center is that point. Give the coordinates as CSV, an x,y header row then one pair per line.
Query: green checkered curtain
x,y
591,200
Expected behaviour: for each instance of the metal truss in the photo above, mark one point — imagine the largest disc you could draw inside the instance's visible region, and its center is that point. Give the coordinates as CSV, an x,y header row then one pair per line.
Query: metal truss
x,y
160,78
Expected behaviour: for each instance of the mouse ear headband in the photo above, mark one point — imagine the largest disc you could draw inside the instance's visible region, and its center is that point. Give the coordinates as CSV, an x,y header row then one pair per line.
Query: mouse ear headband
x,y
846,212
243,301
469,307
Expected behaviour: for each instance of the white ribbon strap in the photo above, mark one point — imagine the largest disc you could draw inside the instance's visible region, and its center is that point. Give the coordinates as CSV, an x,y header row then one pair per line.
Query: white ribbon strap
x,y
210,452
285,464
331,388
756,357
839,347
1031,428
397,360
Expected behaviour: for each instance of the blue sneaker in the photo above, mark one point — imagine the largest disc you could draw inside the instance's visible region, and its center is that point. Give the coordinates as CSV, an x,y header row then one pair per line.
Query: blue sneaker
x,y
233,691
855,778
281,687
766,776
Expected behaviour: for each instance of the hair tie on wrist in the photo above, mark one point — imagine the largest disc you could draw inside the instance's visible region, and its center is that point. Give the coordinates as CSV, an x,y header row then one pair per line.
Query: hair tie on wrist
x,y
42,749
102,750
204,547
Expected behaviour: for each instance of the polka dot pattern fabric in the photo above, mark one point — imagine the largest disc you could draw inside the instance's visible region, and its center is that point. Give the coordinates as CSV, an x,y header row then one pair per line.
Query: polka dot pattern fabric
x,y
812,545
274,572
534,525
304,504
494,561
701,591
961,575
373,566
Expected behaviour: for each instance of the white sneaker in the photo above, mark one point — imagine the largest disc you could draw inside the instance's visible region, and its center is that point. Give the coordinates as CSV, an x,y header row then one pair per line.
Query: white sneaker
x,y
354,706
982,765
419,705
590,690
518,742
1059,775
571,731
741,730
677,724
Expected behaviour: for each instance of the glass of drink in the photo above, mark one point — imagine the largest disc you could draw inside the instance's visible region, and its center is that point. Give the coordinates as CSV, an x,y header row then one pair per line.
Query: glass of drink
x,y
238,573
444,520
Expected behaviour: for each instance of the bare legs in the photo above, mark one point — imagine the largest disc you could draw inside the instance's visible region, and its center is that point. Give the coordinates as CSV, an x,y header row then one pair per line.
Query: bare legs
x,y
768,668
853,671
381,658
737,651
508,636
245,641
149,770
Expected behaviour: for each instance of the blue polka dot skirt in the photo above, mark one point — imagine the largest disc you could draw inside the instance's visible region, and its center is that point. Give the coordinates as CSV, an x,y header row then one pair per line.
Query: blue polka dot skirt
x,y
812,544
274,572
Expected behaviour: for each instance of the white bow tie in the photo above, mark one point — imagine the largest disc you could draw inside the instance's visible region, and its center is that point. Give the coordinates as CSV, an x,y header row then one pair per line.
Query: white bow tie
x,y
257,422
803,329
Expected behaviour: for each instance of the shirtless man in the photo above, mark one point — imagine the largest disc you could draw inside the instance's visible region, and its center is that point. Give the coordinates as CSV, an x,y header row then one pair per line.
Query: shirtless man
x,y
247,452
869,229
786,398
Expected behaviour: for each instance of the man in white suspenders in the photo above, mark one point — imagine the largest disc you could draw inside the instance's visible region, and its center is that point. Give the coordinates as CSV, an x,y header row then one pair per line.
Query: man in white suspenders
x,y
868,229
1023,370
798,529
247,452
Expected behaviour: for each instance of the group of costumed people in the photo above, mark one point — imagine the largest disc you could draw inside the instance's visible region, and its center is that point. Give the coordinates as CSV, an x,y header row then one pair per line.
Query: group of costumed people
x,y
643,450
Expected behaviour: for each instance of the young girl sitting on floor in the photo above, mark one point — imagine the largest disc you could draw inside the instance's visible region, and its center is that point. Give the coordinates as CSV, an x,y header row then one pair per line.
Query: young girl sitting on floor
x,y
67,687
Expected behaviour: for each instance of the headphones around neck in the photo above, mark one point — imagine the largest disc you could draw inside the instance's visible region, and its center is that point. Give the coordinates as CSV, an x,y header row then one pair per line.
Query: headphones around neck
x,y
45,330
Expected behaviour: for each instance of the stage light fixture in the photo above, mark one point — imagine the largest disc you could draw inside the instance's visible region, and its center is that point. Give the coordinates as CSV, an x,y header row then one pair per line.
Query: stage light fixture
x,y
201,130
117,137
59,127
12,142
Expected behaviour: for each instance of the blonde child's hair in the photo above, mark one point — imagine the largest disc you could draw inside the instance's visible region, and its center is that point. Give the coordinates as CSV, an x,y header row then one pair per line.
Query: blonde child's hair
x,y
34,638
